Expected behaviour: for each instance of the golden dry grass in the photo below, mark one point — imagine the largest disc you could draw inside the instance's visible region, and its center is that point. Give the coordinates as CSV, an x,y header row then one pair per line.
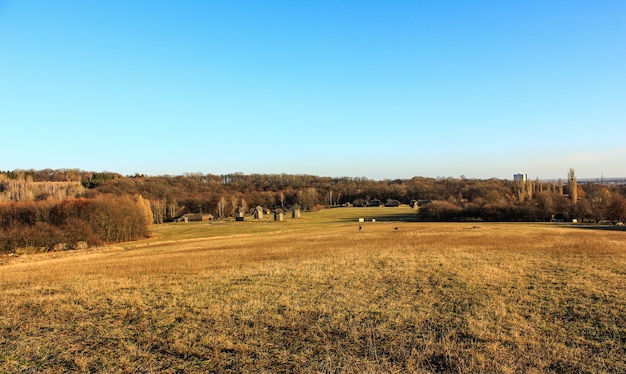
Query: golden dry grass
x,y
425,297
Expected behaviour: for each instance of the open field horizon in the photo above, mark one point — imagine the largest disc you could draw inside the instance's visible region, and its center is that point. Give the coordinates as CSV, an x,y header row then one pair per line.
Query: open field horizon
x,y
318,295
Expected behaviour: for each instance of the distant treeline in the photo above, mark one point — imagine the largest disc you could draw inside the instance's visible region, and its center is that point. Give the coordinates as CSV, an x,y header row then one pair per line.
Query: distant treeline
x,y
169,197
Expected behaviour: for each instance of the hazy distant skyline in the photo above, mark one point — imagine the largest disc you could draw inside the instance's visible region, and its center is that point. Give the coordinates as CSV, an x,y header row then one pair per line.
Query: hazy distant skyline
x,y
381,89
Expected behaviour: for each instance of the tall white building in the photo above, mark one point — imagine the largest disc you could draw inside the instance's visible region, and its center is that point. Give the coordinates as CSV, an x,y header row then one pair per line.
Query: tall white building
x,y
522,177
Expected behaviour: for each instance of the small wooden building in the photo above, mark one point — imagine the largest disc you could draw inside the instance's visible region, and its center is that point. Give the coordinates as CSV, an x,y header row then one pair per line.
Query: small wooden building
x,y
295,211
189,217
258,212
423,202
239,214
279,215
392,203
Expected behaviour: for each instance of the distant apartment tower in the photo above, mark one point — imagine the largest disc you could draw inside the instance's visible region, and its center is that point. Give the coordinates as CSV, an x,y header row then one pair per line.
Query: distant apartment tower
x,y
520,177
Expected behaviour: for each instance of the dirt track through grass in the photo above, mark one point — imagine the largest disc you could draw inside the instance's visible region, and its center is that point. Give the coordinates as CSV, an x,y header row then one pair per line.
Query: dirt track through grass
x,y
397,297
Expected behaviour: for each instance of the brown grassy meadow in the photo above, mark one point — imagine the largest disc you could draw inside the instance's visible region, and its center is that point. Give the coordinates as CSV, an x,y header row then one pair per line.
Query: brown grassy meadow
x,y
318,296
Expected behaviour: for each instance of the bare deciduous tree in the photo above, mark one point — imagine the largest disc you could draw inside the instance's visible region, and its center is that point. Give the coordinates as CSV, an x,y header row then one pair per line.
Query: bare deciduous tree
x,y
233,202
221,207
573,185
158,211
244,205
172,208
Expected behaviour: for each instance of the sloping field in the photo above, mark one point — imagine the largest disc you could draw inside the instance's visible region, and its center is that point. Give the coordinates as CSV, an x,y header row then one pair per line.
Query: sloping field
x,y
317,295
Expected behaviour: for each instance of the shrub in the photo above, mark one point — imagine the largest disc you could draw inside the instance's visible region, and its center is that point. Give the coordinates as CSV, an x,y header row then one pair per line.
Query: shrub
x,y
45,225
440,211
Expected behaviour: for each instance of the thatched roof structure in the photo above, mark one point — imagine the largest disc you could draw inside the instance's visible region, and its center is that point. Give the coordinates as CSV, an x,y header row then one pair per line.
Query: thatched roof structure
x,y
189,217
258,212
392,203
279,214
295,211
239,214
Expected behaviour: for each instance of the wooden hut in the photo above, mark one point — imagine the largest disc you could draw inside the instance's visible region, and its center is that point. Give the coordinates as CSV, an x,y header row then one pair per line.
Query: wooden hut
x,y
295,211
189,217
421,203
239,214
279,215
392,203
258,212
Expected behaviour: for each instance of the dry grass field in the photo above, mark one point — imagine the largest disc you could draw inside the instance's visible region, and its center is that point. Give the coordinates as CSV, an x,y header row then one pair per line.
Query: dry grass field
x,y
317,296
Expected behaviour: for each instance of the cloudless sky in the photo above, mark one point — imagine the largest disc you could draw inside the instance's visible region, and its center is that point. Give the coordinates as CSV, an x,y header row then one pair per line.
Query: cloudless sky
x,y
381,89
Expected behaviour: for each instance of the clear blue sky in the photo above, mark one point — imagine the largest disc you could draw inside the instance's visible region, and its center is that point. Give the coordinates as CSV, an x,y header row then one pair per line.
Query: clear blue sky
x,y
381,89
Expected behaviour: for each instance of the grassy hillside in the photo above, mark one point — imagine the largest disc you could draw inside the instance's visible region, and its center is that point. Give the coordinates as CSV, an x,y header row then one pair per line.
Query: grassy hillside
x,y
317,295
316,220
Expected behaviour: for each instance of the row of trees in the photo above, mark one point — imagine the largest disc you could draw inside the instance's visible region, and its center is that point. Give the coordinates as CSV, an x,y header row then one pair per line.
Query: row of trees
x,y
546,207
24,189
71,223
31,197
536,201
492,199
